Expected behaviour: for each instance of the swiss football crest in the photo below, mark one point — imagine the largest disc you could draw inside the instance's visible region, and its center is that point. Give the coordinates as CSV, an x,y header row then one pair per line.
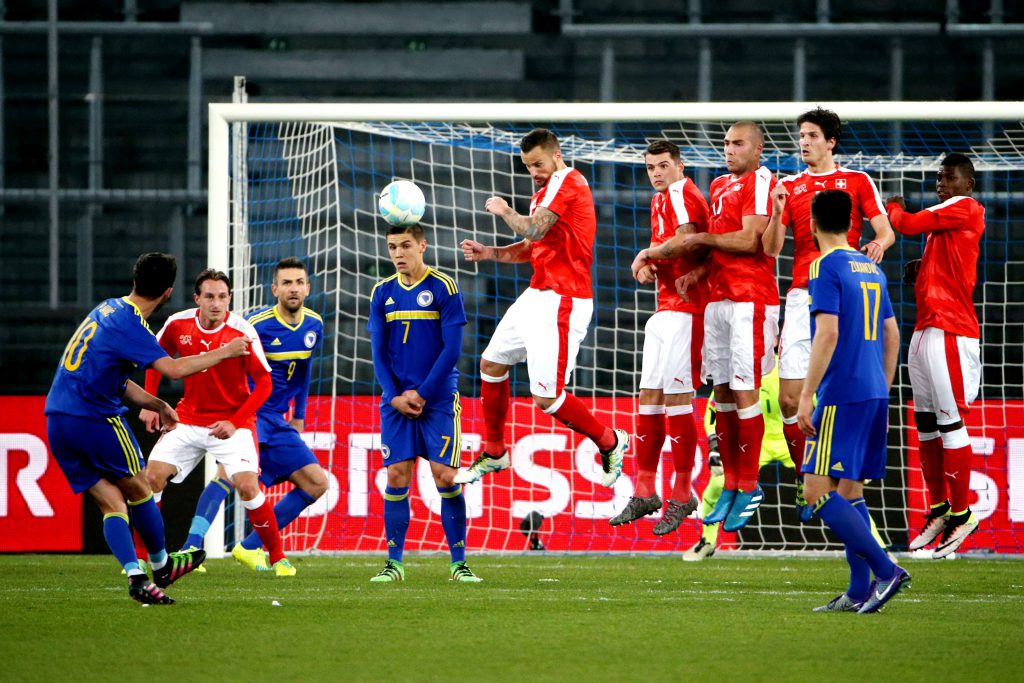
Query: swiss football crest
x,y
800,189
425,298
310,339
185,340
841,184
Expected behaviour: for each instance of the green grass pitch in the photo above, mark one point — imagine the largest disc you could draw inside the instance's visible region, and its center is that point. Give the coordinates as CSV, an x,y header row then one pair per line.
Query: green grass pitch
x,y
535,618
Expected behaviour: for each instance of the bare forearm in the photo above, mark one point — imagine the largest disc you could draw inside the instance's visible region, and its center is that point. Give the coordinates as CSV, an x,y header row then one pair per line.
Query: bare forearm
x,y
140,398
738,242
532,227
892,349
884,234
674,246
774,236
517,252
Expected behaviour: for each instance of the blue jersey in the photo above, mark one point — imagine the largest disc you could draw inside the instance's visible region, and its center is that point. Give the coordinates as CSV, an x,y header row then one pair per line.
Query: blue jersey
x,y
289,350
409,321
104,351
846,283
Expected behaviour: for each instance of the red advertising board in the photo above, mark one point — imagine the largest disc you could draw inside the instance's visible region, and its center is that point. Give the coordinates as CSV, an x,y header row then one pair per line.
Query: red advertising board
x,y
997,480
38,510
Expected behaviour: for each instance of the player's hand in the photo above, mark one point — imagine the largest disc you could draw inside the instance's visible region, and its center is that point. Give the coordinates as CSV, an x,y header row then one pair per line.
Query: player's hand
x,y
910,272
643,270
715,464
401,404
239,346
222,429
779,196
169,417
803,415
151,419
298,423
416,402
896,199
873,250
684,283
496,205
474,251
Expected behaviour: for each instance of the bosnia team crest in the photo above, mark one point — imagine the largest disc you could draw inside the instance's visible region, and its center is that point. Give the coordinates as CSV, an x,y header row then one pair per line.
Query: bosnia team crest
x,y
425,298
310,339
385,451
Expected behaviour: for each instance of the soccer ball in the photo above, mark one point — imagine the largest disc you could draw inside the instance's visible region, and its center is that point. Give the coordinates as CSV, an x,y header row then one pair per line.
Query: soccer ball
x,y
401,203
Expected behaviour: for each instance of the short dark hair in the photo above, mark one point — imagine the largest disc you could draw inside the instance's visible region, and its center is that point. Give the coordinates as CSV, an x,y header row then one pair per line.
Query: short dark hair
x,y
212,274
960,162
664,147
289,262
153,273
831,211
415,231
826,119
539,137
754,126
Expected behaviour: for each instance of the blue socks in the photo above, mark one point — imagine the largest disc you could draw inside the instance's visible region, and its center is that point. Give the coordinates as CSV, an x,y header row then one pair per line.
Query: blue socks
x,y
119,538
453,520
860,572
286,510
206,509
854,532
396,520
148,521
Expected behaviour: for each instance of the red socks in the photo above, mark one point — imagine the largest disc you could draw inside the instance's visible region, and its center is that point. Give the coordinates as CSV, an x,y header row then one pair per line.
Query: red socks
x,y
751,434
727,425
577,417
795,440
931,468
494,395
683,431
957,473
650,437
261,516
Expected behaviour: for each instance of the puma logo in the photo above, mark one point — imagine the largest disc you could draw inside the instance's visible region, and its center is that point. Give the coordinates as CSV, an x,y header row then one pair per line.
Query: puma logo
x,y
822,183
205,343
952,475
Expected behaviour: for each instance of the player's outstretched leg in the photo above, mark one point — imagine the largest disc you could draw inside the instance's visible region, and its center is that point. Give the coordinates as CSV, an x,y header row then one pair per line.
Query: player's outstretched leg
x,y
177,565
149,524
637,508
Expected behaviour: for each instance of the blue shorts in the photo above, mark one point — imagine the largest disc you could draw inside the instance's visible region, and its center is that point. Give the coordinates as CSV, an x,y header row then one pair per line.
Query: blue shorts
x,y
92,448
282,450
851,442
435,435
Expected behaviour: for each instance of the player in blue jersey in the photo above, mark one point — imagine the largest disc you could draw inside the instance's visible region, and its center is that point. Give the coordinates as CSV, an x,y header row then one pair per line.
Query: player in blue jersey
x,y
854,349
87,433
416,322
290,334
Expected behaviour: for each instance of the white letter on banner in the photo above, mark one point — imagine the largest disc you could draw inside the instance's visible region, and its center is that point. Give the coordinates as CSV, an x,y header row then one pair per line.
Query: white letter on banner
x,y
525,468
27,479
1015,478
588,466
359,447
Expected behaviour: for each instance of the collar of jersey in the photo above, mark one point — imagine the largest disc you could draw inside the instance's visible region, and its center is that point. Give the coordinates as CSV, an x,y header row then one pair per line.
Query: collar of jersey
x,y
280,318
199,323
819,175
409,288
132,304
843,248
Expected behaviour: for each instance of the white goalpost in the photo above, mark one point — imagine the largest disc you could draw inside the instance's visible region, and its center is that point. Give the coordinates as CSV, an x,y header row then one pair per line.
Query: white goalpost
x,y
301,179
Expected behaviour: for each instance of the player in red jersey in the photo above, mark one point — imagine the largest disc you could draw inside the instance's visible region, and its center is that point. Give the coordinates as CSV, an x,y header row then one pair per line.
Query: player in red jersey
x,y
218,411
945,357
741,318
820,131
673,340
546,324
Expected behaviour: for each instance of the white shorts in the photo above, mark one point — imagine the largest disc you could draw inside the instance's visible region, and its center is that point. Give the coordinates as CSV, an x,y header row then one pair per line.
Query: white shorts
x,y
795,342
185,445
739,343
945,373
545,329
673,343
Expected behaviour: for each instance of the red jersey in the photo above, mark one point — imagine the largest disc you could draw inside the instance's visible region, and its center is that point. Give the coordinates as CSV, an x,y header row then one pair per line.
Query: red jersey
x,y
221,392
741,277
797,213
561,259
681,203
949,265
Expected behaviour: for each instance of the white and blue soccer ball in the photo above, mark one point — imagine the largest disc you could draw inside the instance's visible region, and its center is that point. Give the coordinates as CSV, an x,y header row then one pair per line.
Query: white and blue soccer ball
x,y
401,203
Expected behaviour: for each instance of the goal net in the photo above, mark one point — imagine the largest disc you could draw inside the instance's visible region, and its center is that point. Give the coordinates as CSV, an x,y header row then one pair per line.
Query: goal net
x,y
301,180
